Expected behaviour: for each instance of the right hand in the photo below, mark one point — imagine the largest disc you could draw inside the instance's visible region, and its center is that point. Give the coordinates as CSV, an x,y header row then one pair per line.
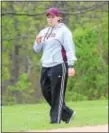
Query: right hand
x,y
38,39
71,72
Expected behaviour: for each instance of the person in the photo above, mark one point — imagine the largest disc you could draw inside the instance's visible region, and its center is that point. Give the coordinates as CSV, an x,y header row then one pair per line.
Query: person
x,y
58,58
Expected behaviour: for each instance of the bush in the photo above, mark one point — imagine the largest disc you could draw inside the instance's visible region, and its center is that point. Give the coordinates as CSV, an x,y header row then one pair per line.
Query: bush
x,y
90,81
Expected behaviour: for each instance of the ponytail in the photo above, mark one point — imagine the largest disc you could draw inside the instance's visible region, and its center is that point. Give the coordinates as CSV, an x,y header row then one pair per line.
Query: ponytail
x,y
60,19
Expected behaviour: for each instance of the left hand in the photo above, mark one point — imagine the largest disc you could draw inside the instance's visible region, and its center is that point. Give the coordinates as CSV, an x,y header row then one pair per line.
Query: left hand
x,y
38,40
71,72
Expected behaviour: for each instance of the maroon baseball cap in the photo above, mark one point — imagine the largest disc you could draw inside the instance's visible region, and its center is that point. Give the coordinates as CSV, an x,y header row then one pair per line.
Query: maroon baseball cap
x,y
53,11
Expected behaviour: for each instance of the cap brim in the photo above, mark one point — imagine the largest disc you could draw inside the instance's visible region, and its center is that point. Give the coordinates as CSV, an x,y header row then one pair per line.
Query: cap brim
x,y
49,13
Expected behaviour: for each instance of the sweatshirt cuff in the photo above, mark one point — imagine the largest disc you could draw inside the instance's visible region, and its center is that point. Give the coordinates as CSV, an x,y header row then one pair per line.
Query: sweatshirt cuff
x,y
70,66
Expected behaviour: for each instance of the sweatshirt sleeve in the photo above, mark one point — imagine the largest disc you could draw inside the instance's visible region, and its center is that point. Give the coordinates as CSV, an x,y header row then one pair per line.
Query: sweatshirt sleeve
x,y
38,47
69,47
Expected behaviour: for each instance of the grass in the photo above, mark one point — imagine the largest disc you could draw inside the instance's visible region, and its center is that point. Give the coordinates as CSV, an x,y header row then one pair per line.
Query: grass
x,y
18,118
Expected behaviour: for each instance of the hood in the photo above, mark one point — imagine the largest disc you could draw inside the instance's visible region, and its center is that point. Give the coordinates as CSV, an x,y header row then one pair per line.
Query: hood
x,y
59,25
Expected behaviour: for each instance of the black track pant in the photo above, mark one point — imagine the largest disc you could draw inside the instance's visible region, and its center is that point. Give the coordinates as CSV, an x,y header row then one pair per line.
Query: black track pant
x,y
53,84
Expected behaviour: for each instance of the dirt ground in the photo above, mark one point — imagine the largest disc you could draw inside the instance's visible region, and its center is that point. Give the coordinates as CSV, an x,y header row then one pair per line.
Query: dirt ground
x,y
98,128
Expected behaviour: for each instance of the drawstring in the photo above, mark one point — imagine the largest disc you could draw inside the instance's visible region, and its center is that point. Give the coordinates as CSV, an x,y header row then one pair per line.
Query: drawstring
x,y
48,32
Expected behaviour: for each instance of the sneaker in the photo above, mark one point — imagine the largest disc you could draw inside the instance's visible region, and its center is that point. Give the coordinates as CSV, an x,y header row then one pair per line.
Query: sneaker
x,y
70,119
55,122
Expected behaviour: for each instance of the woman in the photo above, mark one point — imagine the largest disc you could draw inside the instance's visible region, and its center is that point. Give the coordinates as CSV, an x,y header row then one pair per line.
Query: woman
x,y
58,57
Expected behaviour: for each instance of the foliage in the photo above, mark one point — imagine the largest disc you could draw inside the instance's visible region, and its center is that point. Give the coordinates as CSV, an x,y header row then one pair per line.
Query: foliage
x,y
17,92
90,81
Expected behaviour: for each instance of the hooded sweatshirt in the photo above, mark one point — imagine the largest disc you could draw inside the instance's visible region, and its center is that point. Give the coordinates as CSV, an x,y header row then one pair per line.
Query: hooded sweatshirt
x,y
53,38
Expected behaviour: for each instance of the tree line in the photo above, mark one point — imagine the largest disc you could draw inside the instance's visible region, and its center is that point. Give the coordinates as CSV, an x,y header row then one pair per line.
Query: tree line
x,y
21,22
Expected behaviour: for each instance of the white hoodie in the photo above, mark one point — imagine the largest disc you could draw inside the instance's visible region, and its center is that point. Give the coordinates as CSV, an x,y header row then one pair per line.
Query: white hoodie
x,y
51,47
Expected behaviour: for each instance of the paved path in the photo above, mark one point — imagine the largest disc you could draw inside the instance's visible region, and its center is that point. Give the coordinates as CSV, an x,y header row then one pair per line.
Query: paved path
x,y
98,128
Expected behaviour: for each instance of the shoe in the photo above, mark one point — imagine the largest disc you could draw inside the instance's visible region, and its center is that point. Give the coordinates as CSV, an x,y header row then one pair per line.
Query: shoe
x,y
54,123
70,119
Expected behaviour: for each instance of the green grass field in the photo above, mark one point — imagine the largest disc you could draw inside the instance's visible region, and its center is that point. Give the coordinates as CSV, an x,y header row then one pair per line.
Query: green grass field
x,y
36,116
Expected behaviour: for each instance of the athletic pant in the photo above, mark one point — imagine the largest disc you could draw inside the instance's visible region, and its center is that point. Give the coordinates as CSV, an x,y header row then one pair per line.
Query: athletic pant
x,y
53,84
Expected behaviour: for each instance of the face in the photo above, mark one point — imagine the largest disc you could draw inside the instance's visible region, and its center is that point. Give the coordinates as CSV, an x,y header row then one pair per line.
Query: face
x,y
52,20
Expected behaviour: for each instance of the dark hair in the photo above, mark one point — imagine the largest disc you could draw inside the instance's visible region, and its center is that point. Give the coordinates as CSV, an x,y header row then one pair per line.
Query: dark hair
x,y
60,20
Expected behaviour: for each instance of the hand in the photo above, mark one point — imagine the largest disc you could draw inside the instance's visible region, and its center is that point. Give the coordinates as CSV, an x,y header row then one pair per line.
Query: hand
x,y
38,39
71,72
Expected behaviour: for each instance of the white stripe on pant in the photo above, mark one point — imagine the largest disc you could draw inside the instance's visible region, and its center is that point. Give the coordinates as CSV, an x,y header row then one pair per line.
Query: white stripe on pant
x,y
61,91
